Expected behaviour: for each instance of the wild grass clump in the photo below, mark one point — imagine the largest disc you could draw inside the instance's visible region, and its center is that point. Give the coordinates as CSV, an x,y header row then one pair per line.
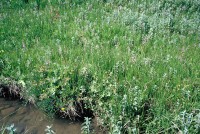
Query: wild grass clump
x,y
134,64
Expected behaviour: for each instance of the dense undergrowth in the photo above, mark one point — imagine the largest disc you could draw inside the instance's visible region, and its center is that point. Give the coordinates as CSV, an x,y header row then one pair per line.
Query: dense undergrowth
x,y
134,64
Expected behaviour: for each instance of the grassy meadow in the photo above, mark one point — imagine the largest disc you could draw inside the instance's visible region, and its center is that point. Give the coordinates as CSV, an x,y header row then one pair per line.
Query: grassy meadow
x,y
135,64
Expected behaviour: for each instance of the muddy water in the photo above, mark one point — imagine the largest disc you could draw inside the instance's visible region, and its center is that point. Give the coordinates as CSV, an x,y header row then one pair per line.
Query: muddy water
x,y
29,120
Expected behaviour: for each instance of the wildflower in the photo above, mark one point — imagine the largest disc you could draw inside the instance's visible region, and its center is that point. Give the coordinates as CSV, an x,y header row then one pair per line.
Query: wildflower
x,y
62,109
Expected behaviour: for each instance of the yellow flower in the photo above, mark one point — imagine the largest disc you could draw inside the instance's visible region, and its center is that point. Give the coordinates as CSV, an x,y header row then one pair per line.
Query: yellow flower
x,y
62,109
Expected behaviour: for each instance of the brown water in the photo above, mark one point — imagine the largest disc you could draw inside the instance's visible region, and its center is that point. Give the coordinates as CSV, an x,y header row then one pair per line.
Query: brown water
x,y
29,120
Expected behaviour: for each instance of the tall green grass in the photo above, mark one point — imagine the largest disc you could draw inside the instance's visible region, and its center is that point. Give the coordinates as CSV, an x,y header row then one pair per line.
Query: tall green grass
x,y
134,63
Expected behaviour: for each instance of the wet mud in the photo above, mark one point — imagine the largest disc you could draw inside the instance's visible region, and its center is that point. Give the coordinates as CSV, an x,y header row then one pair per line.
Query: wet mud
x,y
29,120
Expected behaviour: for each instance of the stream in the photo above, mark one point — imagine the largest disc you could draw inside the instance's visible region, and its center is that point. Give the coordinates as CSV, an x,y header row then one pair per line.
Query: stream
x,y
29,120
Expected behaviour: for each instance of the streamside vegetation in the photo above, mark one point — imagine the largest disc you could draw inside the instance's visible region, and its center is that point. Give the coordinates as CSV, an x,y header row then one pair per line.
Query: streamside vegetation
x,y
133,64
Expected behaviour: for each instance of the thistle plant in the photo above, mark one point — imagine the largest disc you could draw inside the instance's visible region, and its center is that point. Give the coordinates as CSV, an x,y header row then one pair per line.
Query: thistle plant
x,y
86,126
11,129
49,130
